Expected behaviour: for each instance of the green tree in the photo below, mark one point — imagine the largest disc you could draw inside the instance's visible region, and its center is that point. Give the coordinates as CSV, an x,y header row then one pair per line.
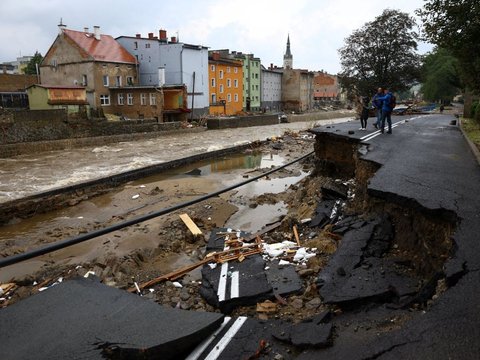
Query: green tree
x,y
31,68
441,80
381,53
455,25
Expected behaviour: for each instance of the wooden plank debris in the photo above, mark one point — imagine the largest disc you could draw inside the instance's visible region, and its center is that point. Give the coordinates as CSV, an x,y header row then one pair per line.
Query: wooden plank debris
x,y
295,233
236,253
191,225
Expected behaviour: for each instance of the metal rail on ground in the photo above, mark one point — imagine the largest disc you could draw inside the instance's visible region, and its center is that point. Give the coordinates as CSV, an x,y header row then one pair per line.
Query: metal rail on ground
x,y
10,260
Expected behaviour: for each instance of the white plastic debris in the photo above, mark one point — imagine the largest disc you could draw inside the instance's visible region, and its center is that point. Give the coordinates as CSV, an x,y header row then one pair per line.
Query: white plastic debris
x,y
284,262
302,255
212,265
136,287
151,290
304,221
142,186
88,273
177,284
136,196
277,249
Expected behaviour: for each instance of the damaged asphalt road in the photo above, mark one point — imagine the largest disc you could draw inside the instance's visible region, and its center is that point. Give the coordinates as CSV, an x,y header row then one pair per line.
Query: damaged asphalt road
x,y
402,283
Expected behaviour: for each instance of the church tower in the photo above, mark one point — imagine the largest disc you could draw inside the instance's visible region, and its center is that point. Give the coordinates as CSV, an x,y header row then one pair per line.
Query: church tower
x,y
288,58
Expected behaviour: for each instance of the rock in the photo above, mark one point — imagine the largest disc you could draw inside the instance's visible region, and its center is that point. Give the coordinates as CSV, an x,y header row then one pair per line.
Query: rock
x,y
305,272
297,303
314,303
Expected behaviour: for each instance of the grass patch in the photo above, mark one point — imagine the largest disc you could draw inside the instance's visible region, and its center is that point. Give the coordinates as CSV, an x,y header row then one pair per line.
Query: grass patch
x,y
472,129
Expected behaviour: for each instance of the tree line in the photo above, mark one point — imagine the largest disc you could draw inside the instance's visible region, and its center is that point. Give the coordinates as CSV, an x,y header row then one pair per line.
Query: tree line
x,y
384,51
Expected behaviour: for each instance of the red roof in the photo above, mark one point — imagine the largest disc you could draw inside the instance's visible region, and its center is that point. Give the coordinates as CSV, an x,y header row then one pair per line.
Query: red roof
x,y
106,49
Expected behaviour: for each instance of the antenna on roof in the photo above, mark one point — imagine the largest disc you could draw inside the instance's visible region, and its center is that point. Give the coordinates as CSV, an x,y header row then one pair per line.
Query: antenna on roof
x,y
61,26
61,23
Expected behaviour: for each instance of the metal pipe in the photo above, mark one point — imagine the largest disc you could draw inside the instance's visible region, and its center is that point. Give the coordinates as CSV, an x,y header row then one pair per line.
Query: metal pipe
x,y
10,260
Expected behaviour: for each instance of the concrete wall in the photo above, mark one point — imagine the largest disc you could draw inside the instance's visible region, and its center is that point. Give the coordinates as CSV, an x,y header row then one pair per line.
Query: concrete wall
x,y
30,131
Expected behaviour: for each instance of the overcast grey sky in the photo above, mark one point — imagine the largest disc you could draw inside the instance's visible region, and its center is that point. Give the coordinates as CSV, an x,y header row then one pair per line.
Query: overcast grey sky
x,y
317,28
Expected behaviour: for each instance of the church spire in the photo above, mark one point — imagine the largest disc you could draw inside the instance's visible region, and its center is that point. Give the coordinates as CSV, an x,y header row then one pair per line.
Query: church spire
x,y
288,58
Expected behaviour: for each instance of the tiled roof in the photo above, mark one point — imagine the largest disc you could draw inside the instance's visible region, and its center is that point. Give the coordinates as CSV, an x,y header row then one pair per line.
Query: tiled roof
x,y
106,49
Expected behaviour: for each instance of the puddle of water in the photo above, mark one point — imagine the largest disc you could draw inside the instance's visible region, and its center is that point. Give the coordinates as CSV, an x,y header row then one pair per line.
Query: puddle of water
x,y
253,220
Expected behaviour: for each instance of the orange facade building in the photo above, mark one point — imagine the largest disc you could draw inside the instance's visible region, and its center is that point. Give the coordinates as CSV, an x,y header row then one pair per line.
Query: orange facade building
x,y
225,85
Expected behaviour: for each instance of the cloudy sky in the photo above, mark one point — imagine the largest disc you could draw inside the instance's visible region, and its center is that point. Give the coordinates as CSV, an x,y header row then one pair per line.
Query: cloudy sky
x,y
317,28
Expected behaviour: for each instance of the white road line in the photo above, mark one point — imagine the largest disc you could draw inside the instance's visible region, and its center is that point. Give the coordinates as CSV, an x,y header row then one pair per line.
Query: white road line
x,y
222,283
235,285
225,340
204,344
376,133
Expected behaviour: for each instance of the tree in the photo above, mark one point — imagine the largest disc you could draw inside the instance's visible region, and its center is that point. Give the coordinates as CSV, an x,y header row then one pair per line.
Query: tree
x,y
31,68
455,25
381,53
441,81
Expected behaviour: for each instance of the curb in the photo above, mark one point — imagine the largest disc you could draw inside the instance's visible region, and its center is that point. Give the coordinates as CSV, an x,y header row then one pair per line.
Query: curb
x,y
473,147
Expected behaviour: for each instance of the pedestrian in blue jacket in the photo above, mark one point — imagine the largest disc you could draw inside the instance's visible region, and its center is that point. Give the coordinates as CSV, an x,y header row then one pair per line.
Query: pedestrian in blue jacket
x,y
387,109
377,104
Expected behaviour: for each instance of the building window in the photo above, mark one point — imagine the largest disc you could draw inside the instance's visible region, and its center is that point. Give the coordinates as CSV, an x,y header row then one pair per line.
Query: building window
x,y
118,81
220,75
214,98
143,99
105,80
213,82
235,70
153,99
212,67
229,83
229,97
228,69
104,100
235,97
130,80
235,82
221,88
84,80
256,87
120,99
129,99
147,46
135,45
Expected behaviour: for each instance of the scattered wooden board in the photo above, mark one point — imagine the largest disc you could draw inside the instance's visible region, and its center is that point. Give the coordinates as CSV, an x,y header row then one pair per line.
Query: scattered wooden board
x,y
191,225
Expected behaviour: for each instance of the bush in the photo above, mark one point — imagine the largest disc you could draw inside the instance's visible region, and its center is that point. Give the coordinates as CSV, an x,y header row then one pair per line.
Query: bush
x,y
477,113
473,109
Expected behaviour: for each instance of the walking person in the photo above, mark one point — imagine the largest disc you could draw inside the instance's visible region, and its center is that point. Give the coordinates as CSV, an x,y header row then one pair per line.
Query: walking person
x,y
377,104
388,103
364,113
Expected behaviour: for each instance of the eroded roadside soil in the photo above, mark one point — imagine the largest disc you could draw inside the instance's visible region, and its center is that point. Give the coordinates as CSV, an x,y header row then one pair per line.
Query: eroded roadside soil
x,y
150,249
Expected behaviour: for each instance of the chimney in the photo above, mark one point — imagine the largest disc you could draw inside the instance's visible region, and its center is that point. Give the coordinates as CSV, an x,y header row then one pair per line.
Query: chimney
x,y
138,36
173,39
96,32
163,35
215,56
271,66
150,35
85,29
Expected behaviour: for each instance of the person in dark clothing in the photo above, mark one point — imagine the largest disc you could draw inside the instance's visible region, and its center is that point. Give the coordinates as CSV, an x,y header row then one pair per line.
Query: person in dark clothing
x,y
377,104
364,113
386,111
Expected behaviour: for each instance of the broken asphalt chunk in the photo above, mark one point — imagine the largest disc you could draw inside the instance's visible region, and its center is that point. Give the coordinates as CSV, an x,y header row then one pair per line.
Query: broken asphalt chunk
x,y
90,320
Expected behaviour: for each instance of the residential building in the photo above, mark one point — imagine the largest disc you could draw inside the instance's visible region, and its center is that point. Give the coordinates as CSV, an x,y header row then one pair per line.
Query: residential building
x,y
251,78
225,84
170,62
325,87
71,98
13,90
16,67
93,60
271,89
297,90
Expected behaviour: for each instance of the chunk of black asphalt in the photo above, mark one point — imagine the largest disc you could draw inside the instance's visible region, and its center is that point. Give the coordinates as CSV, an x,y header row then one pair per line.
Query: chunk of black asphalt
x,y
323,213
284,280
81,318
234,283
305,335
357,273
